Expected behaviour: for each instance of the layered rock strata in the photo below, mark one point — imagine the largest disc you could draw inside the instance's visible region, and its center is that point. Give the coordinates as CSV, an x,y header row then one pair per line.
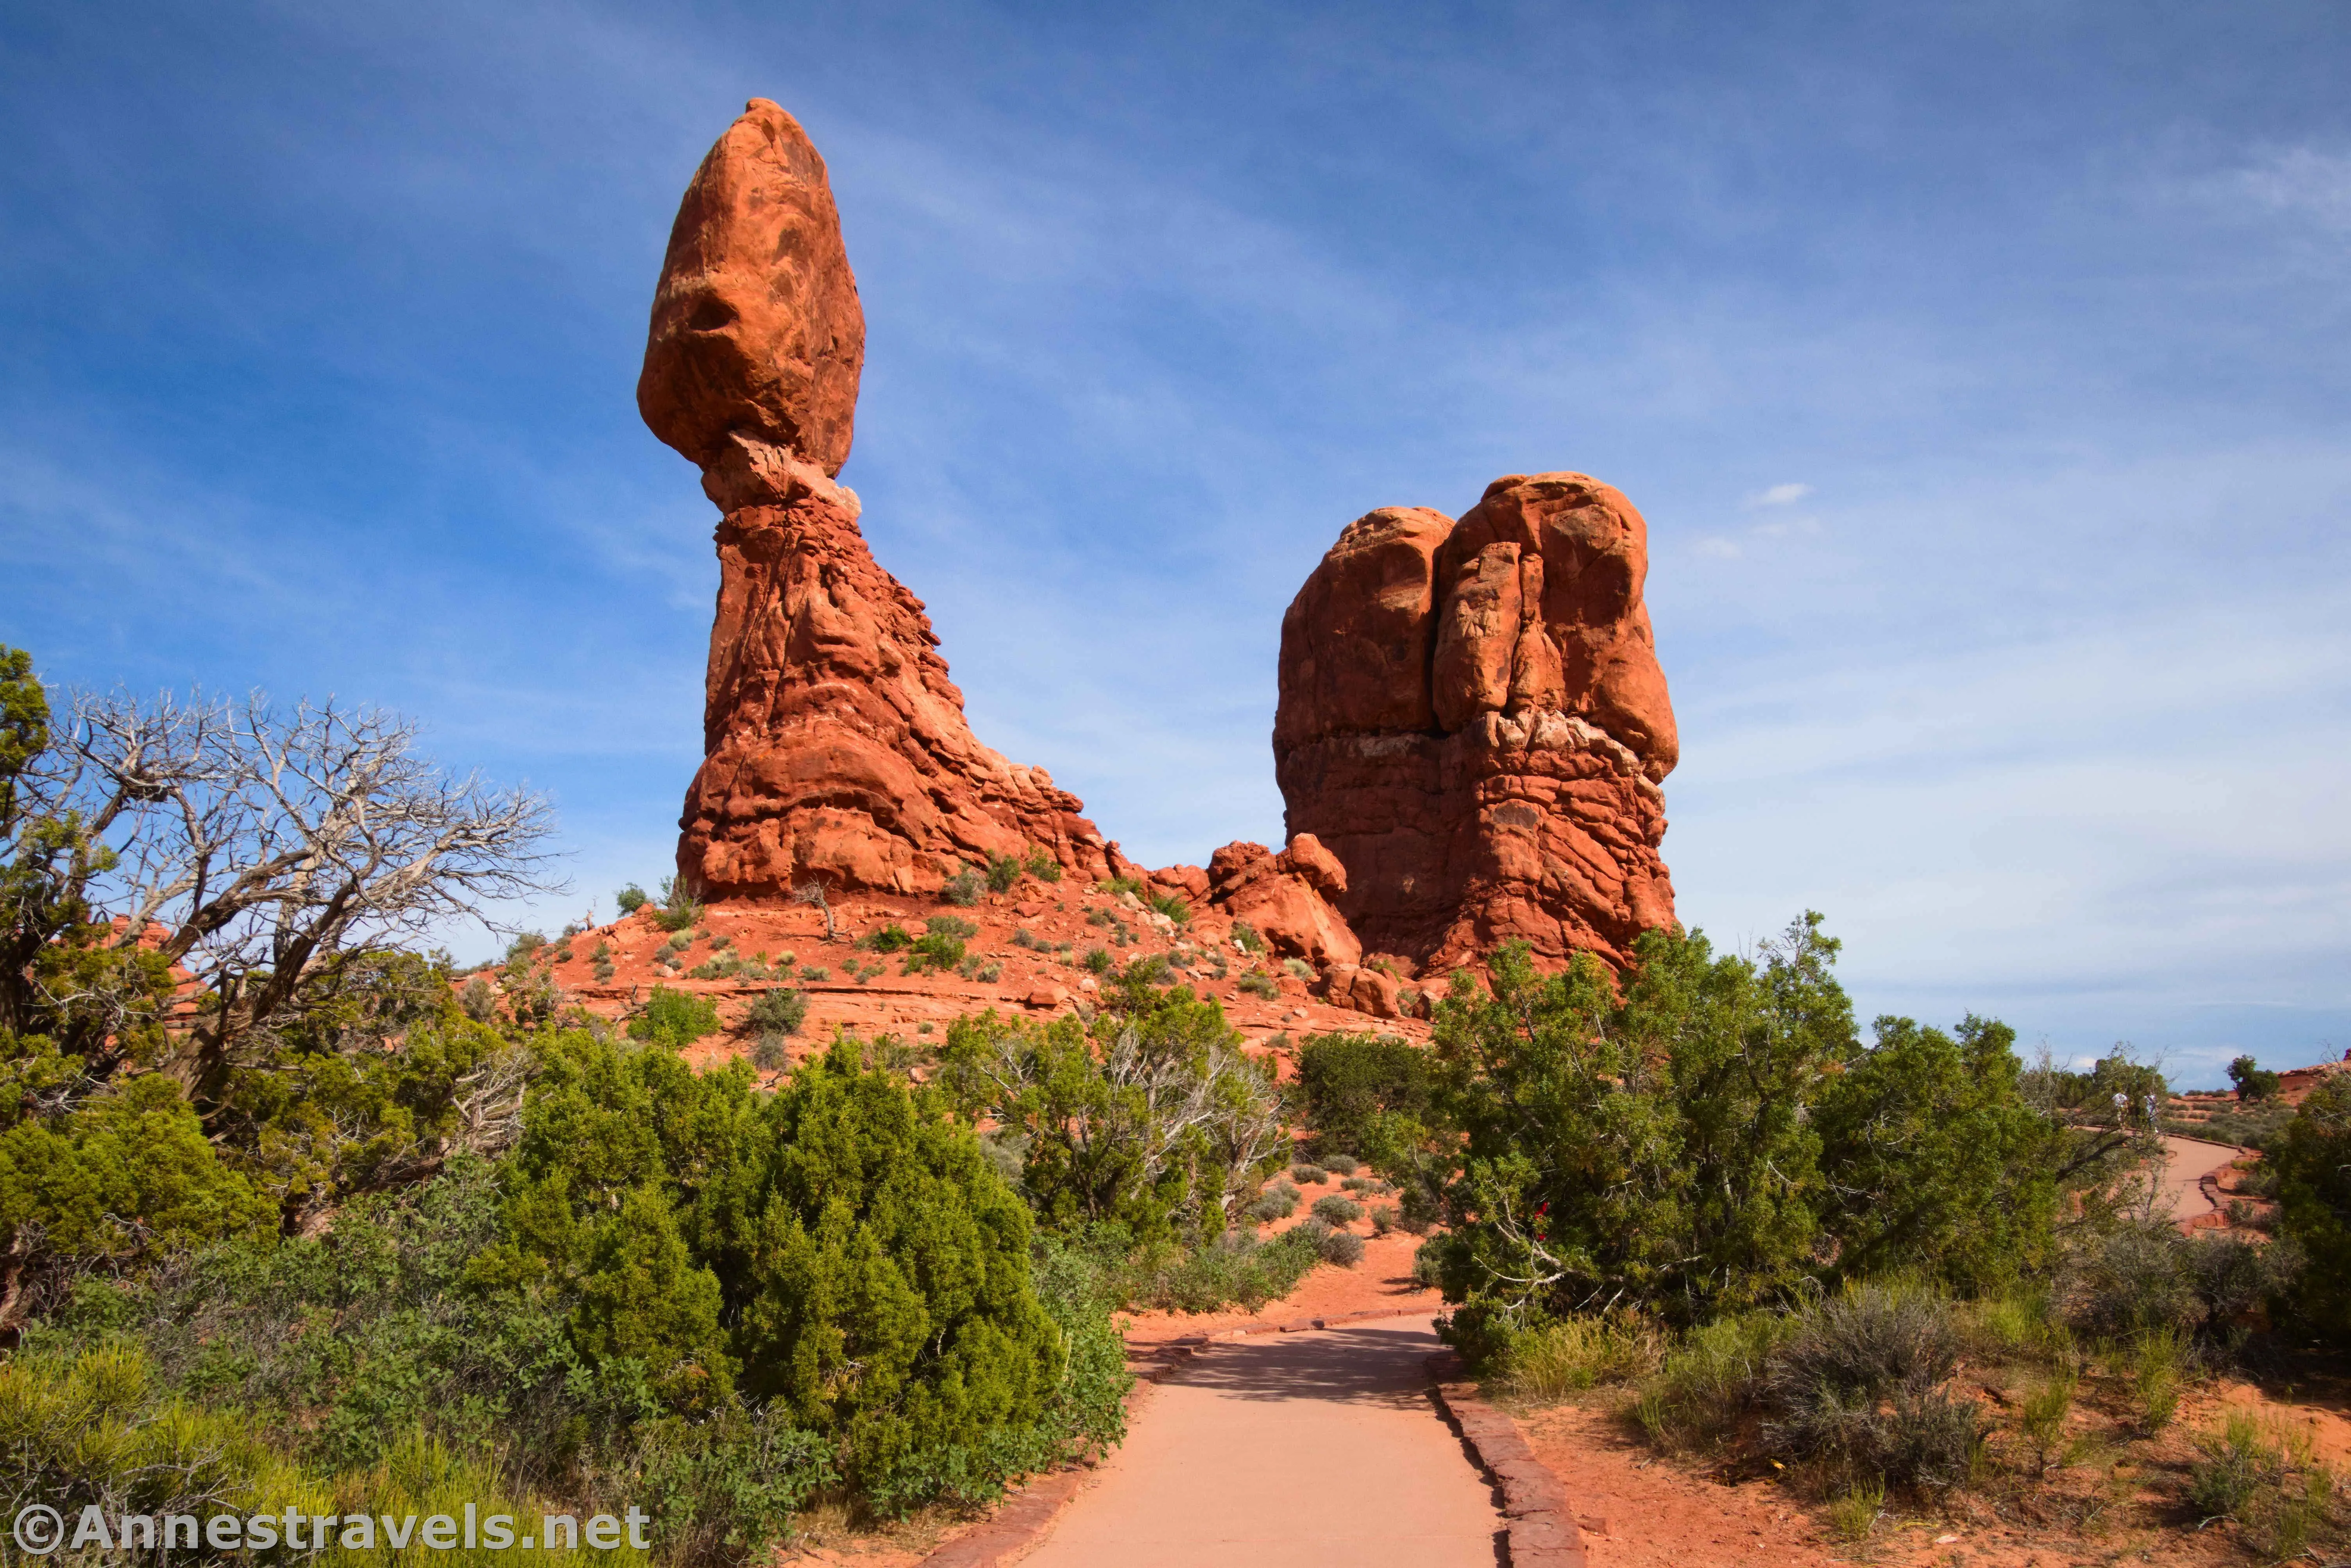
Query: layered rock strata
x,y
835,746
1473,721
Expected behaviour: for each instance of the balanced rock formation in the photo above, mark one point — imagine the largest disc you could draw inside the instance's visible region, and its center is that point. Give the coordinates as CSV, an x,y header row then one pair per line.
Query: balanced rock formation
x,y
835,747
1473,721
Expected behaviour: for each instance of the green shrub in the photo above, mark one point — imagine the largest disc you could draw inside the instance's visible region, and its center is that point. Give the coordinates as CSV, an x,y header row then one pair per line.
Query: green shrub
x,y
1308,1175
629,899
1344,1164
1259,985
1653,1150
1004,872
1548,1361
778,1012
1939,1164
1333,1209
812,974
2252,1080
675,1019
1711,1382
1149,970
868,1271
891,938
2313,1157
1148,1116
2159,1362
2041,1418
678,908
1119,885
1300,967
2237,1463
1246,935
954,927
937,952
772,1053
1854,1512
1043,866
1235,1268
1029,941
365,1366
1098,959
680,943
1171,905
963,889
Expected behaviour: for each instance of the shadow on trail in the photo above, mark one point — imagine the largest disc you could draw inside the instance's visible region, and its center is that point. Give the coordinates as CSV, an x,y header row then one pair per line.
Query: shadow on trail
x,y
1355,1366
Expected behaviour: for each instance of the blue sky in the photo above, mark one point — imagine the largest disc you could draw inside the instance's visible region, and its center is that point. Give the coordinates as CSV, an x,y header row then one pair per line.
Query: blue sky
x,y
1982,371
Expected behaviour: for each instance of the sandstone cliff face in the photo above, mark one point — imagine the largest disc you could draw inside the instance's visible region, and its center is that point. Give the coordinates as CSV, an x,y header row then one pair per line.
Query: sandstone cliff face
x,y
1472,719
835,746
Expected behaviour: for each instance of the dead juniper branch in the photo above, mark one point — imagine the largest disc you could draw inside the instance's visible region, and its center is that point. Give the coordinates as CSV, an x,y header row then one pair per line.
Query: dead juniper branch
x,y
813,892
256,848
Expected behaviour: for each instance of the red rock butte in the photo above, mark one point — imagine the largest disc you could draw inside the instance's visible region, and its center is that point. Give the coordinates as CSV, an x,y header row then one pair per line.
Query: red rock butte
x,y
835,748
1472,719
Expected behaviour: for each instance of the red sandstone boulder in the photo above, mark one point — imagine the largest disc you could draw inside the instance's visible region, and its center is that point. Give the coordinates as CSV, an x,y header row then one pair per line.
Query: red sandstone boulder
x,y
1473,721
1284,897
755,324
1188,883
835,746
1364,989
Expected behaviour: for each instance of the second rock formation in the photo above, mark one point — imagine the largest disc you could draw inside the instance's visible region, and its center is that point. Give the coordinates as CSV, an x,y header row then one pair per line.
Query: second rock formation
x,y
1473,720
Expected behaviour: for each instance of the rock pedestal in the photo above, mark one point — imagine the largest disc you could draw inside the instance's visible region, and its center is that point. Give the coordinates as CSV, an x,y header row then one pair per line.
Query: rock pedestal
x,y
1473,721
835,746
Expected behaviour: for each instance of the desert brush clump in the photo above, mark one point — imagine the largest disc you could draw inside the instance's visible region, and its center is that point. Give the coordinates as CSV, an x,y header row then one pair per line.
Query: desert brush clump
x,y
780,1011
1333,1209
1859,1387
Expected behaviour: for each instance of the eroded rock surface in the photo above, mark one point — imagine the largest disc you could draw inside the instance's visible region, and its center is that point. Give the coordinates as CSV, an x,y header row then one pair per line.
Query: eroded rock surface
x,y
1288,898
1473,721
835,746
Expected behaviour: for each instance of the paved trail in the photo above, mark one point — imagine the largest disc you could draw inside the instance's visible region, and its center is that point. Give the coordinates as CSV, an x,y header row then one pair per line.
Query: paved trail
x,y
2186,1162
1291,1449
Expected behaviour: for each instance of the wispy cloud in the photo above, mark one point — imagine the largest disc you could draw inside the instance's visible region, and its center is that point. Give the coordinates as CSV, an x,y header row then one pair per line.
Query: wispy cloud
x,y
2304,181
1780,496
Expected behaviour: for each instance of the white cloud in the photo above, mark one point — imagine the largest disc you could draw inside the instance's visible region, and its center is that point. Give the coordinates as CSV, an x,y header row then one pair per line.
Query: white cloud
x,y
1780,496
2303,181
2135,831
